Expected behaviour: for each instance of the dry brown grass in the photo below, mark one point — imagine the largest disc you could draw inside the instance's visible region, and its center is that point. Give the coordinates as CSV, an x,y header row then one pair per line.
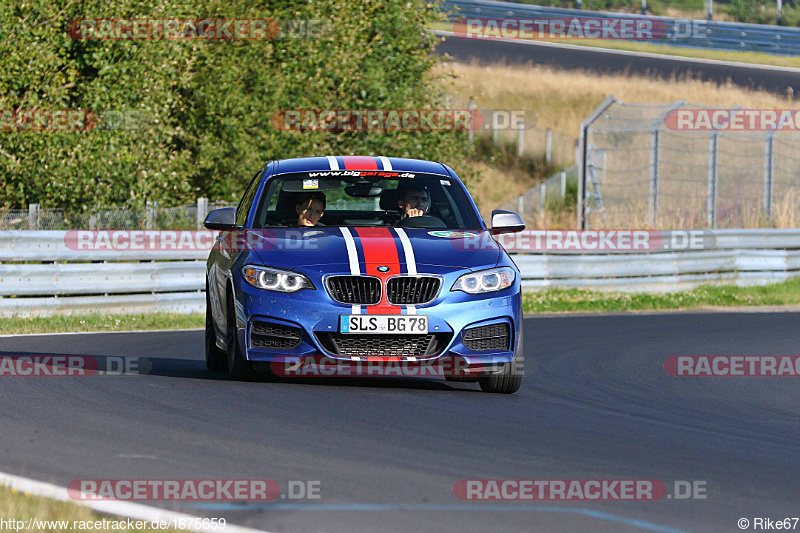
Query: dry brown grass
x,y
786,210
497,187
674,12
562,99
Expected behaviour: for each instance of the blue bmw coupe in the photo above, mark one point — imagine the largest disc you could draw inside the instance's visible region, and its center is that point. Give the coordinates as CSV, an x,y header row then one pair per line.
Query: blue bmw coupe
x,y
363,259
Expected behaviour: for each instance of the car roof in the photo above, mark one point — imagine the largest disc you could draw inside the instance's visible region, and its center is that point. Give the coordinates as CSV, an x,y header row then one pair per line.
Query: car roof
x,y
398,164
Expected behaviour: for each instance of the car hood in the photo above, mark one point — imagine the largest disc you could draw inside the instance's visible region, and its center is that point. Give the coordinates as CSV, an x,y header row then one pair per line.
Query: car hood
x,y
341,248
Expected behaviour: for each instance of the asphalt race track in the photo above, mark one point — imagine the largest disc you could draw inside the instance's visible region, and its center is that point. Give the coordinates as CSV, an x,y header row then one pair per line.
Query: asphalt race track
x,y
773,79
387,453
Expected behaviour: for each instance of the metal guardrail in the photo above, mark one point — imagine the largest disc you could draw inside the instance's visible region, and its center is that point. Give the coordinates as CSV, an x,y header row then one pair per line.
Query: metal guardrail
x,y
778,40
155,281
173,302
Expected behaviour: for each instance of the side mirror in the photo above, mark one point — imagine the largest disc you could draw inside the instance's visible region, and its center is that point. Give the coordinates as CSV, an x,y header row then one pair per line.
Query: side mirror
x,y
506,221
222,218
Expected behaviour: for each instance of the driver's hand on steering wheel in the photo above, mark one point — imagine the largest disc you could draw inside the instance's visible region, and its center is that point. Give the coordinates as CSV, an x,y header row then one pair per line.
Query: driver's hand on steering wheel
x,y
414,213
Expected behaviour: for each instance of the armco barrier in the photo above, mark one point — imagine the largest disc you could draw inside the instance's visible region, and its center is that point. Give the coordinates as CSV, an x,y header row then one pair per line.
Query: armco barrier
x,y
777,40
104,281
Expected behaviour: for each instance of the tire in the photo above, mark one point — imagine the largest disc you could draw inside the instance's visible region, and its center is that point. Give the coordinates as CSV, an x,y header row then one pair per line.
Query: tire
x,y
216,359
238,368
509,380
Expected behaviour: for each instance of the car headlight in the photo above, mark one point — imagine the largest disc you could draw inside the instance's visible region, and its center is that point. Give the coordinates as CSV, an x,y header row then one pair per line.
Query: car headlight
x,y
273,279
485,281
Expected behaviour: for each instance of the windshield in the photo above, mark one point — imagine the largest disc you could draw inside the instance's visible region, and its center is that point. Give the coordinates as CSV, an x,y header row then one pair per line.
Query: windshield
x,y
365,198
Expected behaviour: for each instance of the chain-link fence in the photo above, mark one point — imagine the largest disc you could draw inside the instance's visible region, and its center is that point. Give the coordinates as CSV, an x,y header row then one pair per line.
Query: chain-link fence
x,y
151,217
686,166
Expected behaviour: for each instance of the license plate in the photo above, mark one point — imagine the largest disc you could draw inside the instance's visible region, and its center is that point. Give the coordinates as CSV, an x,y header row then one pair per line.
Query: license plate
x,y
386,324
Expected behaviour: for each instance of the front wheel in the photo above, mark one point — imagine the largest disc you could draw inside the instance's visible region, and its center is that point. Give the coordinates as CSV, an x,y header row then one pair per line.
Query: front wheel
x,y
216,359
508,380
238,368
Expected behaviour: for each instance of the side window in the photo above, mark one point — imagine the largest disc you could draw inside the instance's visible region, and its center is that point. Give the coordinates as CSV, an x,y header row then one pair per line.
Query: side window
x,y
247,200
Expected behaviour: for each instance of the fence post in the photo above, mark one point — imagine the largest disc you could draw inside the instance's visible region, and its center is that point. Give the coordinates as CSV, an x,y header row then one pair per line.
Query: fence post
x,y
33,216
711,202
769,170
581,147
563,184
652,210
150,215
520,203
470,135
548,154
202,211
520,139
543,194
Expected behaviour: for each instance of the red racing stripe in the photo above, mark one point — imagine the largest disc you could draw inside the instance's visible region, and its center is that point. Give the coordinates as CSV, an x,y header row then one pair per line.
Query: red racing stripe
x,y
380,250
359,162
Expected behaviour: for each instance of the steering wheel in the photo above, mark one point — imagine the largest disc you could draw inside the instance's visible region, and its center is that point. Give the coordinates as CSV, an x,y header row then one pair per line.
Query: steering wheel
x,y
422,221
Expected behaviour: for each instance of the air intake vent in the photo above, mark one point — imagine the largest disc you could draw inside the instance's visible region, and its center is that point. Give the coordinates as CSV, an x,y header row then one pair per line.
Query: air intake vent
x,y
360,290
349,345
494,337
273,336
412,290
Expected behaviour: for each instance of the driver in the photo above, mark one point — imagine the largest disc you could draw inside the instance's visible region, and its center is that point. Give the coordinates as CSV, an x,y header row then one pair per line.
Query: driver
x,y
310,207
414,200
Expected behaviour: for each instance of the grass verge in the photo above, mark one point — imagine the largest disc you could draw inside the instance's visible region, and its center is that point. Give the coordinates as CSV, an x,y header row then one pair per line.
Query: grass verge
x,y
580,300
84,323
22,507
561,99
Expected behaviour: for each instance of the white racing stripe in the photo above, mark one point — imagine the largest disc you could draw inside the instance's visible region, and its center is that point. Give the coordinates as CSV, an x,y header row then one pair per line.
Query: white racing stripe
x,y
333,162
387,165
352,256
411,262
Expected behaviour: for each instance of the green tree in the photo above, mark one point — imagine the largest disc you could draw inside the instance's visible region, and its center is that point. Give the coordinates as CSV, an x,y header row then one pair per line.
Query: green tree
x,y
181,118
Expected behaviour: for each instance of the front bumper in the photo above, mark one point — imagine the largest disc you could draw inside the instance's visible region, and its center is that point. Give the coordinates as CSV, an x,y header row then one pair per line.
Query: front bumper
x,y
311,319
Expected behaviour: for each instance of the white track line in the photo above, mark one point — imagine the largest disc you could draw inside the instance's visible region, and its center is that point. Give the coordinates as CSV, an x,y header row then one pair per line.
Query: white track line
x,y
95,332
125,509
680,59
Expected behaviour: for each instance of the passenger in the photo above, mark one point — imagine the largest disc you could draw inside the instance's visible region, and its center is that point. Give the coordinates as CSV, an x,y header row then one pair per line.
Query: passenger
x,y
310,207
